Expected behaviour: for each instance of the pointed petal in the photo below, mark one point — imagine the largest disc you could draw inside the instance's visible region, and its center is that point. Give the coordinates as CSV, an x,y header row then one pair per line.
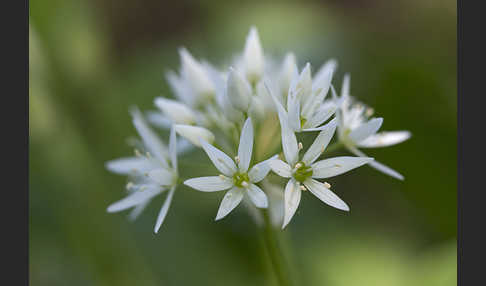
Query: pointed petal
x,y
210,183
379,166
345,86
365,130
289,143
257,196
338,165
134,199
259,171
150,139
323,113
220,160
137,210
173,148
159,120
195,74
230,201
176,111
164,210
292,196
281,168
293,107
319,190
323,77
161,176
246,146
129,165
320,143
253,56
384,139
194,133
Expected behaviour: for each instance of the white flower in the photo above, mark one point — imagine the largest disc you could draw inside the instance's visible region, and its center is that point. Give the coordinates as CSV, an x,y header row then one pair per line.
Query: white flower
x,y
307,108
253,60
302,173
151,173
234,174
356,129
238,90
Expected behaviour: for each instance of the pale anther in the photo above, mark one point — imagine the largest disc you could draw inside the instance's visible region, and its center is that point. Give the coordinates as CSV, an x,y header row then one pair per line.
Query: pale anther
x,y
327,185
300,146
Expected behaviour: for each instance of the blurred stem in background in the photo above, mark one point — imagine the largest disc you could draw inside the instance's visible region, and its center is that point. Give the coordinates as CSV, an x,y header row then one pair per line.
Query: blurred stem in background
x,y
275,250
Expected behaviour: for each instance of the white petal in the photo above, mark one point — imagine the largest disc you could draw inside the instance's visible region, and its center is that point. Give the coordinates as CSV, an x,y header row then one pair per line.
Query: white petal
x,y
238,90
319,190
337,165
129,165
323,77
158,119
173,148
345,86
253,56
161,176
177,112
181,89
137,210
379,166
257,196
221,161
323,113
281,168
230,201
164,210
246,146
289,143
183,146
210,184
196,75
288,71
293,107
320,143
134,199
259,171
365,130
384,139
153,143
292,196
194,133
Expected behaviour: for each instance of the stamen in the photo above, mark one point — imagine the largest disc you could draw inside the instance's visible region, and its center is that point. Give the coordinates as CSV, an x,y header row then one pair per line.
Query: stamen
x,y
237,159
245,184
303,188
370,111
148,155
137,153
221,176
129,185
327,185
298,165
300,146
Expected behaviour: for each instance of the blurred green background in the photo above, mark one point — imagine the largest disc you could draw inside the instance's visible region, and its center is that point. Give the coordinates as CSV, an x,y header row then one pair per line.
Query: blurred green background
x,y
90,61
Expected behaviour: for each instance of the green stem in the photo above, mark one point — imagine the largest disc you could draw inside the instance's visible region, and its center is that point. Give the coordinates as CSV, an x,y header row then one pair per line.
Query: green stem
x,y
275,252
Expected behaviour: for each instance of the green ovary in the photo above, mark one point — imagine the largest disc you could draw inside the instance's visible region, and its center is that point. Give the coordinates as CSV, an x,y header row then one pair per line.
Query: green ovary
x,y
303,172
240,178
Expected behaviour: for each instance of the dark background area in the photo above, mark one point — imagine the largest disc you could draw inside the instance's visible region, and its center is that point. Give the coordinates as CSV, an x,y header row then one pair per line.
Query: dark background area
x,y
90,61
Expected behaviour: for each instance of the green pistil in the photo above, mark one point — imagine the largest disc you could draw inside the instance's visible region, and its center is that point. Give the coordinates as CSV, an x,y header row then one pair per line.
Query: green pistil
x,y
303,172
302,122
240,179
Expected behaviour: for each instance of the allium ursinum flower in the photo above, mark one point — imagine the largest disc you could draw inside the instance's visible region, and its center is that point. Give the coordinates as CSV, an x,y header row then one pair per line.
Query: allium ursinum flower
x,y
303,172
356,129
236,174
150,173
307,107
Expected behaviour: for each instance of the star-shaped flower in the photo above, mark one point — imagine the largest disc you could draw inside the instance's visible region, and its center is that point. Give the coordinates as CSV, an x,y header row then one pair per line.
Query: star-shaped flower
x,y
302,173
150,174
235,175
357,129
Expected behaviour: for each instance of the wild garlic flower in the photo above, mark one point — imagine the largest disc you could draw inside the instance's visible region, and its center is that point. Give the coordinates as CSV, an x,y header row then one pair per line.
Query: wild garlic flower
x,y
303,172
357,129
235,175
224,107
307,107
150,173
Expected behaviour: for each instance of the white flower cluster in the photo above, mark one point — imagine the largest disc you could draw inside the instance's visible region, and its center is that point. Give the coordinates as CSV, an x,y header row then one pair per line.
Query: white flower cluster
x,y
251,111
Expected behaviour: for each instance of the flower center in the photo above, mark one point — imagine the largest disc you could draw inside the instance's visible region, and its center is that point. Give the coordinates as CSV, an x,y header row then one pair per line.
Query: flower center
x,y
302,172
241,180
